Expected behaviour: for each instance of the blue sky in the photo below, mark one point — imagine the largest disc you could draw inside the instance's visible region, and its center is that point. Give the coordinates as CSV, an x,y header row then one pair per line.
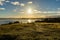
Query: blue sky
x,y
18,8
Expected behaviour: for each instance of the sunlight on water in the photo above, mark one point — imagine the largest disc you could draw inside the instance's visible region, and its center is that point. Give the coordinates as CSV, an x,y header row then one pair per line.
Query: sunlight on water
x,y
29,20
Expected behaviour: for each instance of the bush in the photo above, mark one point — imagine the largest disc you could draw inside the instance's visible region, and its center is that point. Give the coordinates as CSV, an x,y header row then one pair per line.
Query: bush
x,y
10,23
16,22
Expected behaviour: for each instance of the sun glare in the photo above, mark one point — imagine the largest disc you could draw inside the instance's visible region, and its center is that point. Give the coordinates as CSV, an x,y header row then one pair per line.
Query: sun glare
x,y
29,21
29,11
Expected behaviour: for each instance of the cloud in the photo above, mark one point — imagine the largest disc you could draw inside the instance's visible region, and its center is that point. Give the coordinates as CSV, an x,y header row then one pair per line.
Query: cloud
x,y
15,3
30,2
45,12
22,4
49,12
37,11
14,10
22,12
7,1
1,2
58,8
58,12
57,0
2,8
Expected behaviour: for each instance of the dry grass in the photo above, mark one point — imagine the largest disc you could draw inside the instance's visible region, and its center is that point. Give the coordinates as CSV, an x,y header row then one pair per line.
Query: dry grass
x,y
31,31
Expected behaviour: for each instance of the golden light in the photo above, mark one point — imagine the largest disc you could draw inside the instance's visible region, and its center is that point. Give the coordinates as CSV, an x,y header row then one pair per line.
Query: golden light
x,y
29,11
29,21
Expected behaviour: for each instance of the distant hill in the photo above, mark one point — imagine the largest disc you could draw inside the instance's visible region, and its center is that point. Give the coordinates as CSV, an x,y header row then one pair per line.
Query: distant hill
x,y
53,20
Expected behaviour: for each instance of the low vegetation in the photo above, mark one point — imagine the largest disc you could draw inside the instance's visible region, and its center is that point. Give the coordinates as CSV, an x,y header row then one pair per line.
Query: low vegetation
x,y
30,31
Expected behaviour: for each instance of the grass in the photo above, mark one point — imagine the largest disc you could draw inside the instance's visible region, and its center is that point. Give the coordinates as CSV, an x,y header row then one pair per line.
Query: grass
x,y
30,31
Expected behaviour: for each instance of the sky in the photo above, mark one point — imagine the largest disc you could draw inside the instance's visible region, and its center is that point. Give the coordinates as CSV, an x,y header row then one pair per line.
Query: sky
x,y
37,8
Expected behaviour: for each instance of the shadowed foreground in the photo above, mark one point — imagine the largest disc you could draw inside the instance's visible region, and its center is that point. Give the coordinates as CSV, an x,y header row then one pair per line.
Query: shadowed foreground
x,y
30,31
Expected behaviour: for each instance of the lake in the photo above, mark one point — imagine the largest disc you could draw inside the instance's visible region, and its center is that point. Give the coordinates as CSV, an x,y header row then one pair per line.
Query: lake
x,y
7,20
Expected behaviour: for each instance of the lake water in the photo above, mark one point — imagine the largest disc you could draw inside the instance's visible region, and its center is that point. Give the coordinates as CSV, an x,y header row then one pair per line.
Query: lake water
x,y
7,20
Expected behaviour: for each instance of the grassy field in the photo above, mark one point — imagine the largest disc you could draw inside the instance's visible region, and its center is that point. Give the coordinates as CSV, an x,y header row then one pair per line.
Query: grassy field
x,y
30,31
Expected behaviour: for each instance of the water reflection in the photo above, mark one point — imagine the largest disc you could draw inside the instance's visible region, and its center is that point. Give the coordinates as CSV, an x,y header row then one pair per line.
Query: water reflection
x,y
4,21
29,21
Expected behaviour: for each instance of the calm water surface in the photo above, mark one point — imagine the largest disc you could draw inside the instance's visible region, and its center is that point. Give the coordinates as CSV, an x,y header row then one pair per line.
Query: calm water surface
x,y
4,21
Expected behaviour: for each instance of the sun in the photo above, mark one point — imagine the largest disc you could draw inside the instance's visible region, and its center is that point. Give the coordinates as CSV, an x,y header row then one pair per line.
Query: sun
x,y
29,11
